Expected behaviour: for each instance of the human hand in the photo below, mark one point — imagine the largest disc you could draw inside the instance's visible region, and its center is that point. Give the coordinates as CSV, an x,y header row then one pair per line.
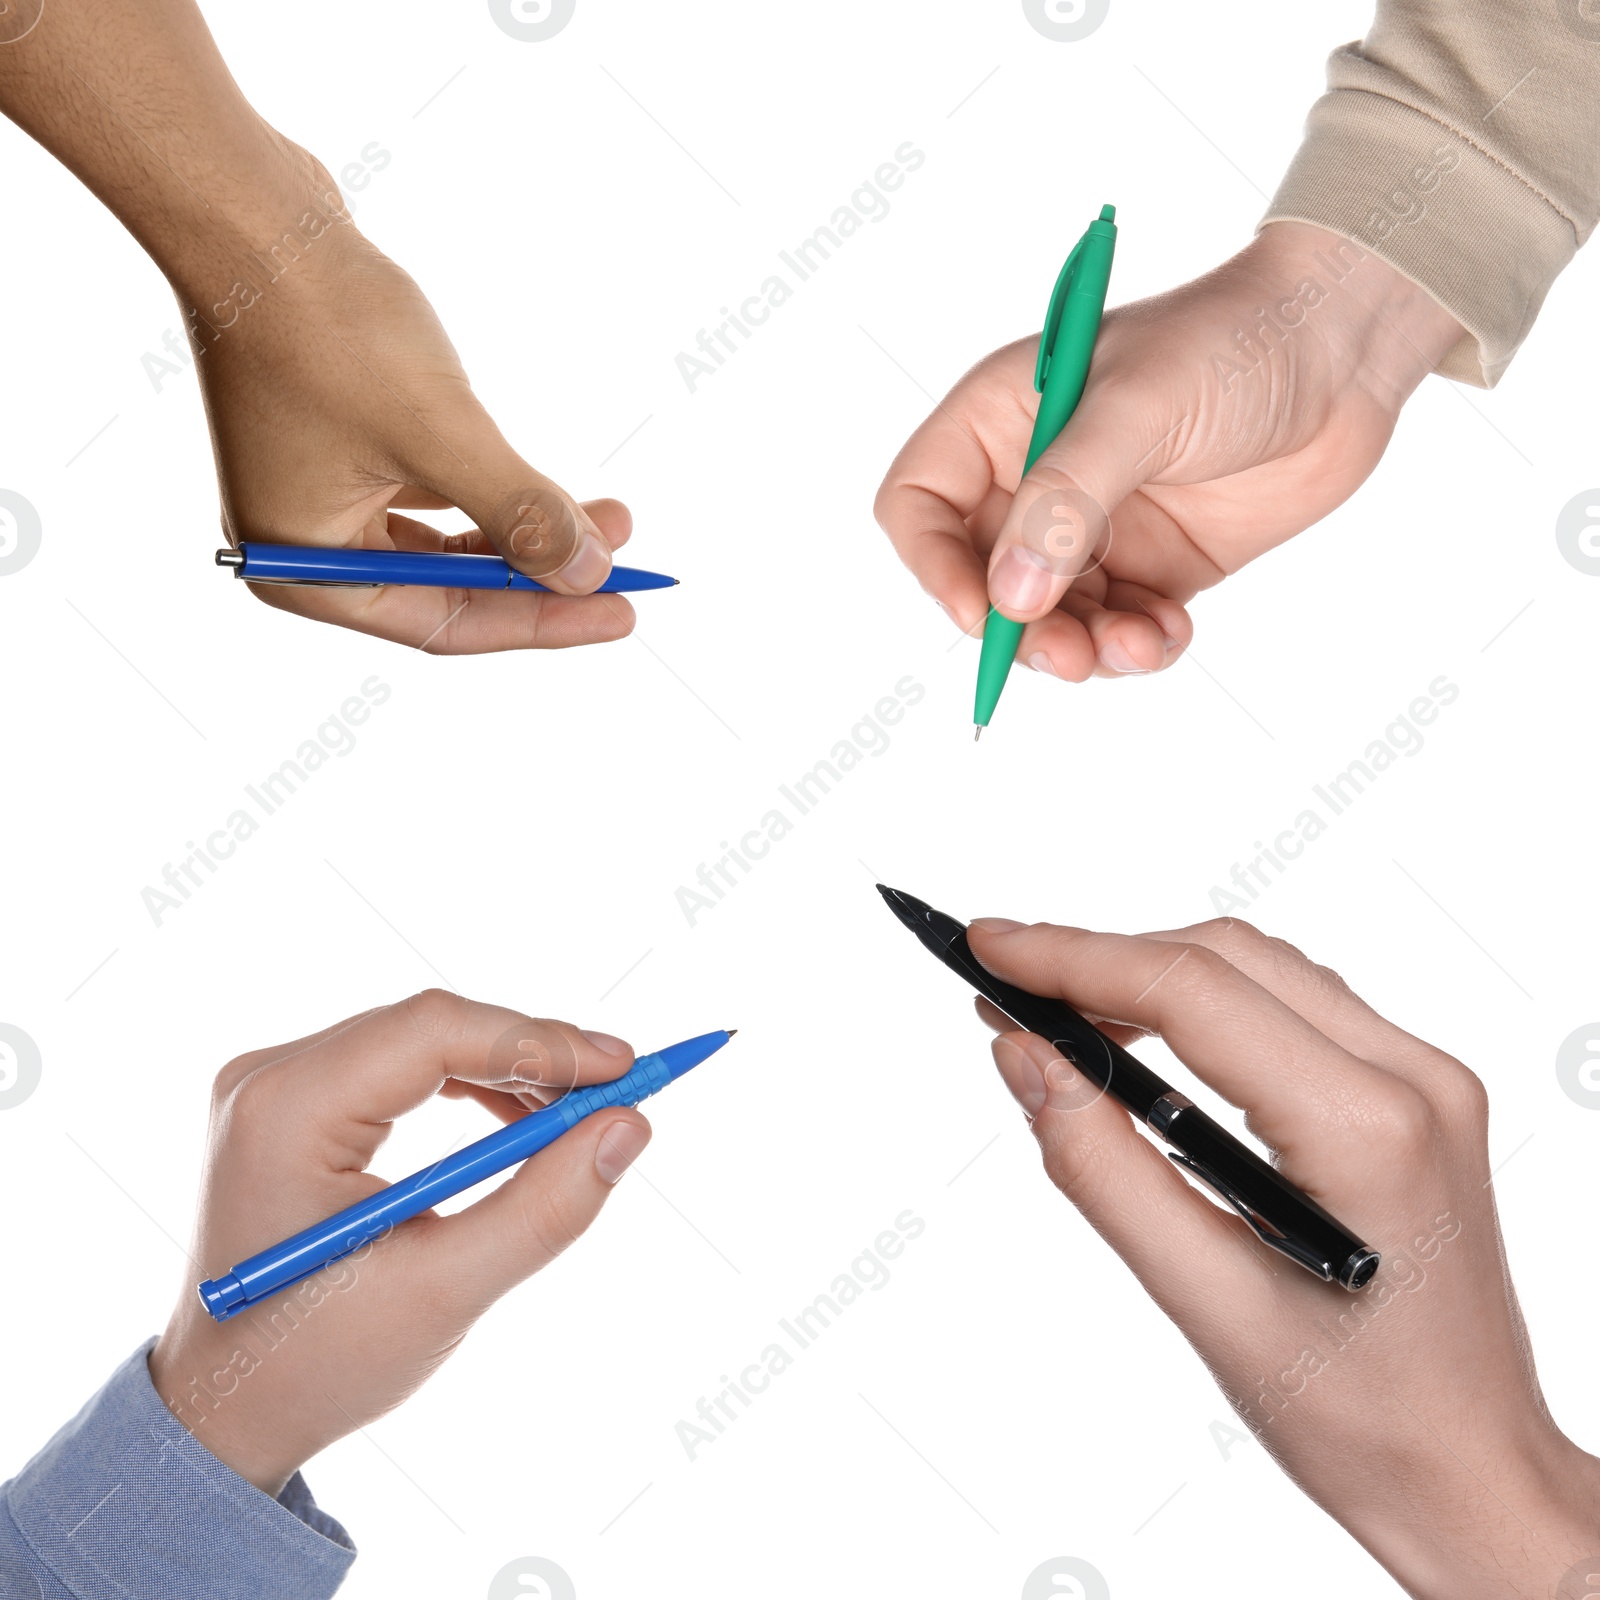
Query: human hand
x,y
336,401
1200,443
334,398
1410,1411
293,1130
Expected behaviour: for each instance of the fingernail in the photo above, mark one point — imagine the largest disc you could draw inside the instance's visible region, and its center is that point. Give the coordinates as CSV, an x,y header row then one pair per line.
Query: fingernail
x,y
1040,662
1115,656
620,1146
997,924
587,570
1020,1076
609,1043
1021,580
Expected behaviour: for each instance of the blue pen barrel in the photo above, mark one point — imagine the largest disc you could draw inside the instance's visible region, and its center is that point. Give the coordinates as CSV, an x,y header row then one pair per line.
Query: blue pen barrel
x,y
346,1231
295,563
313,1248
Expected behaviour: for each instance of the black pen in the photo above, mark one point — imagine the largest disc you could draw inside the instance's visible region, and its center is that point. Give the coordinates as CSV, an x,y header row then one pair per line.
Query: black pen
x,y
1277,1212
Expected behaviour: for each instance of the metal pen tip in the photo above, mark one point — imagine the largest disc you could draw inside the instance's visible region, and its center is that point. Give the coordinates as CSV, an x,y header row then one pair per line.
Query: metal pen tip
x,y
977,732
730,1031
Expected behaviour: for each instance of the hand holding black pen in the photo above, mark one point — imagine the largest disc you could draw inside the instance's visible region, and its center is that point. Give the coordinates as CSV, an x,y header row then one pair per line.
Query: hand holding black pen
x,y
1409,1408
1278,1213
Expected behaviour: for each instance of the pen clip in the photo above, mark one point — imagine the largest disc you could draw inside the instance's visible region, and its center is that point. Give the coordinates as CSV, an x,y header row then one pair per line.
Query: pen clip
x,y
1052,316
1103,227
1283,1243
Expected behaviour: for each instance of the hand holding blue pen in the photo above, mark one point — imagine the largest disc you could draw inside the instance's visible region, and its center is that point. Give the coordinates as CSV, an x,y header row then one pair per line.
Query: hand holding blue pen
x,y
257,1280
294,1130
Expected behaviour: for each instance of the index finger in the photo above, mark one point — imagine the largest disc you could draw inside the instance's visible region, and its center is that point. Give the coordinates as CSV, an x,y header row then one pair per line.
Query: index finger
x,y
946,473
348,1086
1296,1084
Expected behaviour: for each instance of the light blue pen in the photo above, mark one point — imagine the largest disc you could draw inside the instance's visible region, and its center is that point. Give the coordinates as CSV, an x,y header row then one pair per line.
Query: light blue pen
x,y
316,1247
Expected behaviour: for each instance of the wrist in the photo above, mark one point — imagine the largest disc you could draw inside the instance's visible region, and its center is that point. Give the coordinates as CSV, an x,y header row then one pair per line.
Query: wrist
x,y
1381,329
206,1391
279,209
1517,1522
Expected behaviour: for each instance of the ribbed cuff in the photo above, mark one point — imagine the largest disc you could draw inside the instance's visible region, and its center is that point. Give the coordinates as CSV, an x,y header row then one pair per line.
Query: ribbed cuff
x,y
1420,195
125,1502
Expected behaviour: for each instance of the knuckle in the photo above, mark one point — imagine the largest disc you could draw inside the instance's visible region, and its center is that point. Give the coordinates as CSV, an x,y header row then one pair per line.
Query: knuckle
x,y
1050,473
1330,981
246,1098
552,1221
436,1014
1402,1122
227,1081
1072,1165
883,502
1229,933
1460,1094
1201,970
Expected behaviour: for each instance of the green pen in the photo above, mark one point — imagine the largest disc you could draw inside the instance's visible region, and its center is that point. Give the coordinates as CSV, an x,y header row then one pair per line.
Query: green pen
x,y
1070,328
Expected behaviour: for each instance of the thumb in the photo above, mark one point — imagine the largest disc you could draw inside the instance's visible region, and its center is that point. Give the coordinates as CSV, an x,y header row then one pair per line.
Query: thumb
x,y
1059,524
532,522
544,1206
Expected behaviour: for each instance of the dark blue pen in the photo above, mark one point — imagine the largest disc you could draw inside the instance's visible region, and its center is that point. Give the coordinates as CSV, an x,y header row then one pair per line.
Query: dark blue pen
x,y
323,1243
371,569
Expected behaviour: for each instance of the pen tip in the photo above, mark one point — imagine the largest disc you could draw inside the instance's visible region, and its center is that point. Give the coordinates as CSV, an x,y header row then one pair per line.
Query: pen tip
x,y
730,1031
977,732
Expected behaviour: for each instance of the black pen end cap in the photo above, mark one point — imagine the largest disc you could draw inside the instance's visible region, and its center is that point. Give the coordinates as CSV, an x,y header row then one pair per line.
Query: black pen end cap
x,y
1358,1271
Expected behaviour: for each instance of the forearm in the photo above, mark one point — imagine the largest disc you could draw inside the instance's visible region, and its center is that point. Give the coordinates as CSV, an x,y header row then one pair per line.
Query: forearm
x,y
136,100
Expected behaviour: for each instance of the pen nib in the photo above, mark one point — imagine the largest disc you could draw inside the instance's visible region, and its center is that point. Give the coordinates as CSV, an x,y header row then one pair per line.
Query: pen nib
x,y
977,732
730,1031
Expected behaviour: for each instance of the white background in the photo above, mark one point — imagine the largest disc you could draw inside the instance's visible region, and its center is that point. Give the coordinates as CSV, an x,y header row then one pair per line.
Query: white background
x,y
572,249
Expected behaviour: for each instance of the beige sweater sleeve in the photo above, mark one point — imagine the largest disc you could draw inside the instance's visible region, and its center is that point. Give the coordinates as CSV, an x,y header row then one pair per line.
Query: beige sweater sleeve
x,y
1460,142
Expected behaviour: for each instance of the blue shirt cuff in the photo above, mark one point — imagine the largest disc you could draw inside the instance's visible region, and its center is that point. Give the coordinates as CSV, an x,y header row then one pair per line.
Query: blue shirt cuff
x,y
125,1502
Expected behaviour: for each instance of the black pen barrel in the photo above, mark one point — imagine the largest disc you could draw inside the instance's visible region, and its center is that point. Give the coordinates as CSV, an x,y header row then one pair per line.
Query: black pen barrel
x,y
1279,1213
1103,1061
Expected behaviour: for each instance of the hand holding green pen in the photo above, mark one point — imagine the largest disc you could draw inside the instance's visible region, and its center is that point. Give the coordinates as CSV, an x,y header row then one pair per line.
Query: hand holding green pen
x,y
1221,418
1076,522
